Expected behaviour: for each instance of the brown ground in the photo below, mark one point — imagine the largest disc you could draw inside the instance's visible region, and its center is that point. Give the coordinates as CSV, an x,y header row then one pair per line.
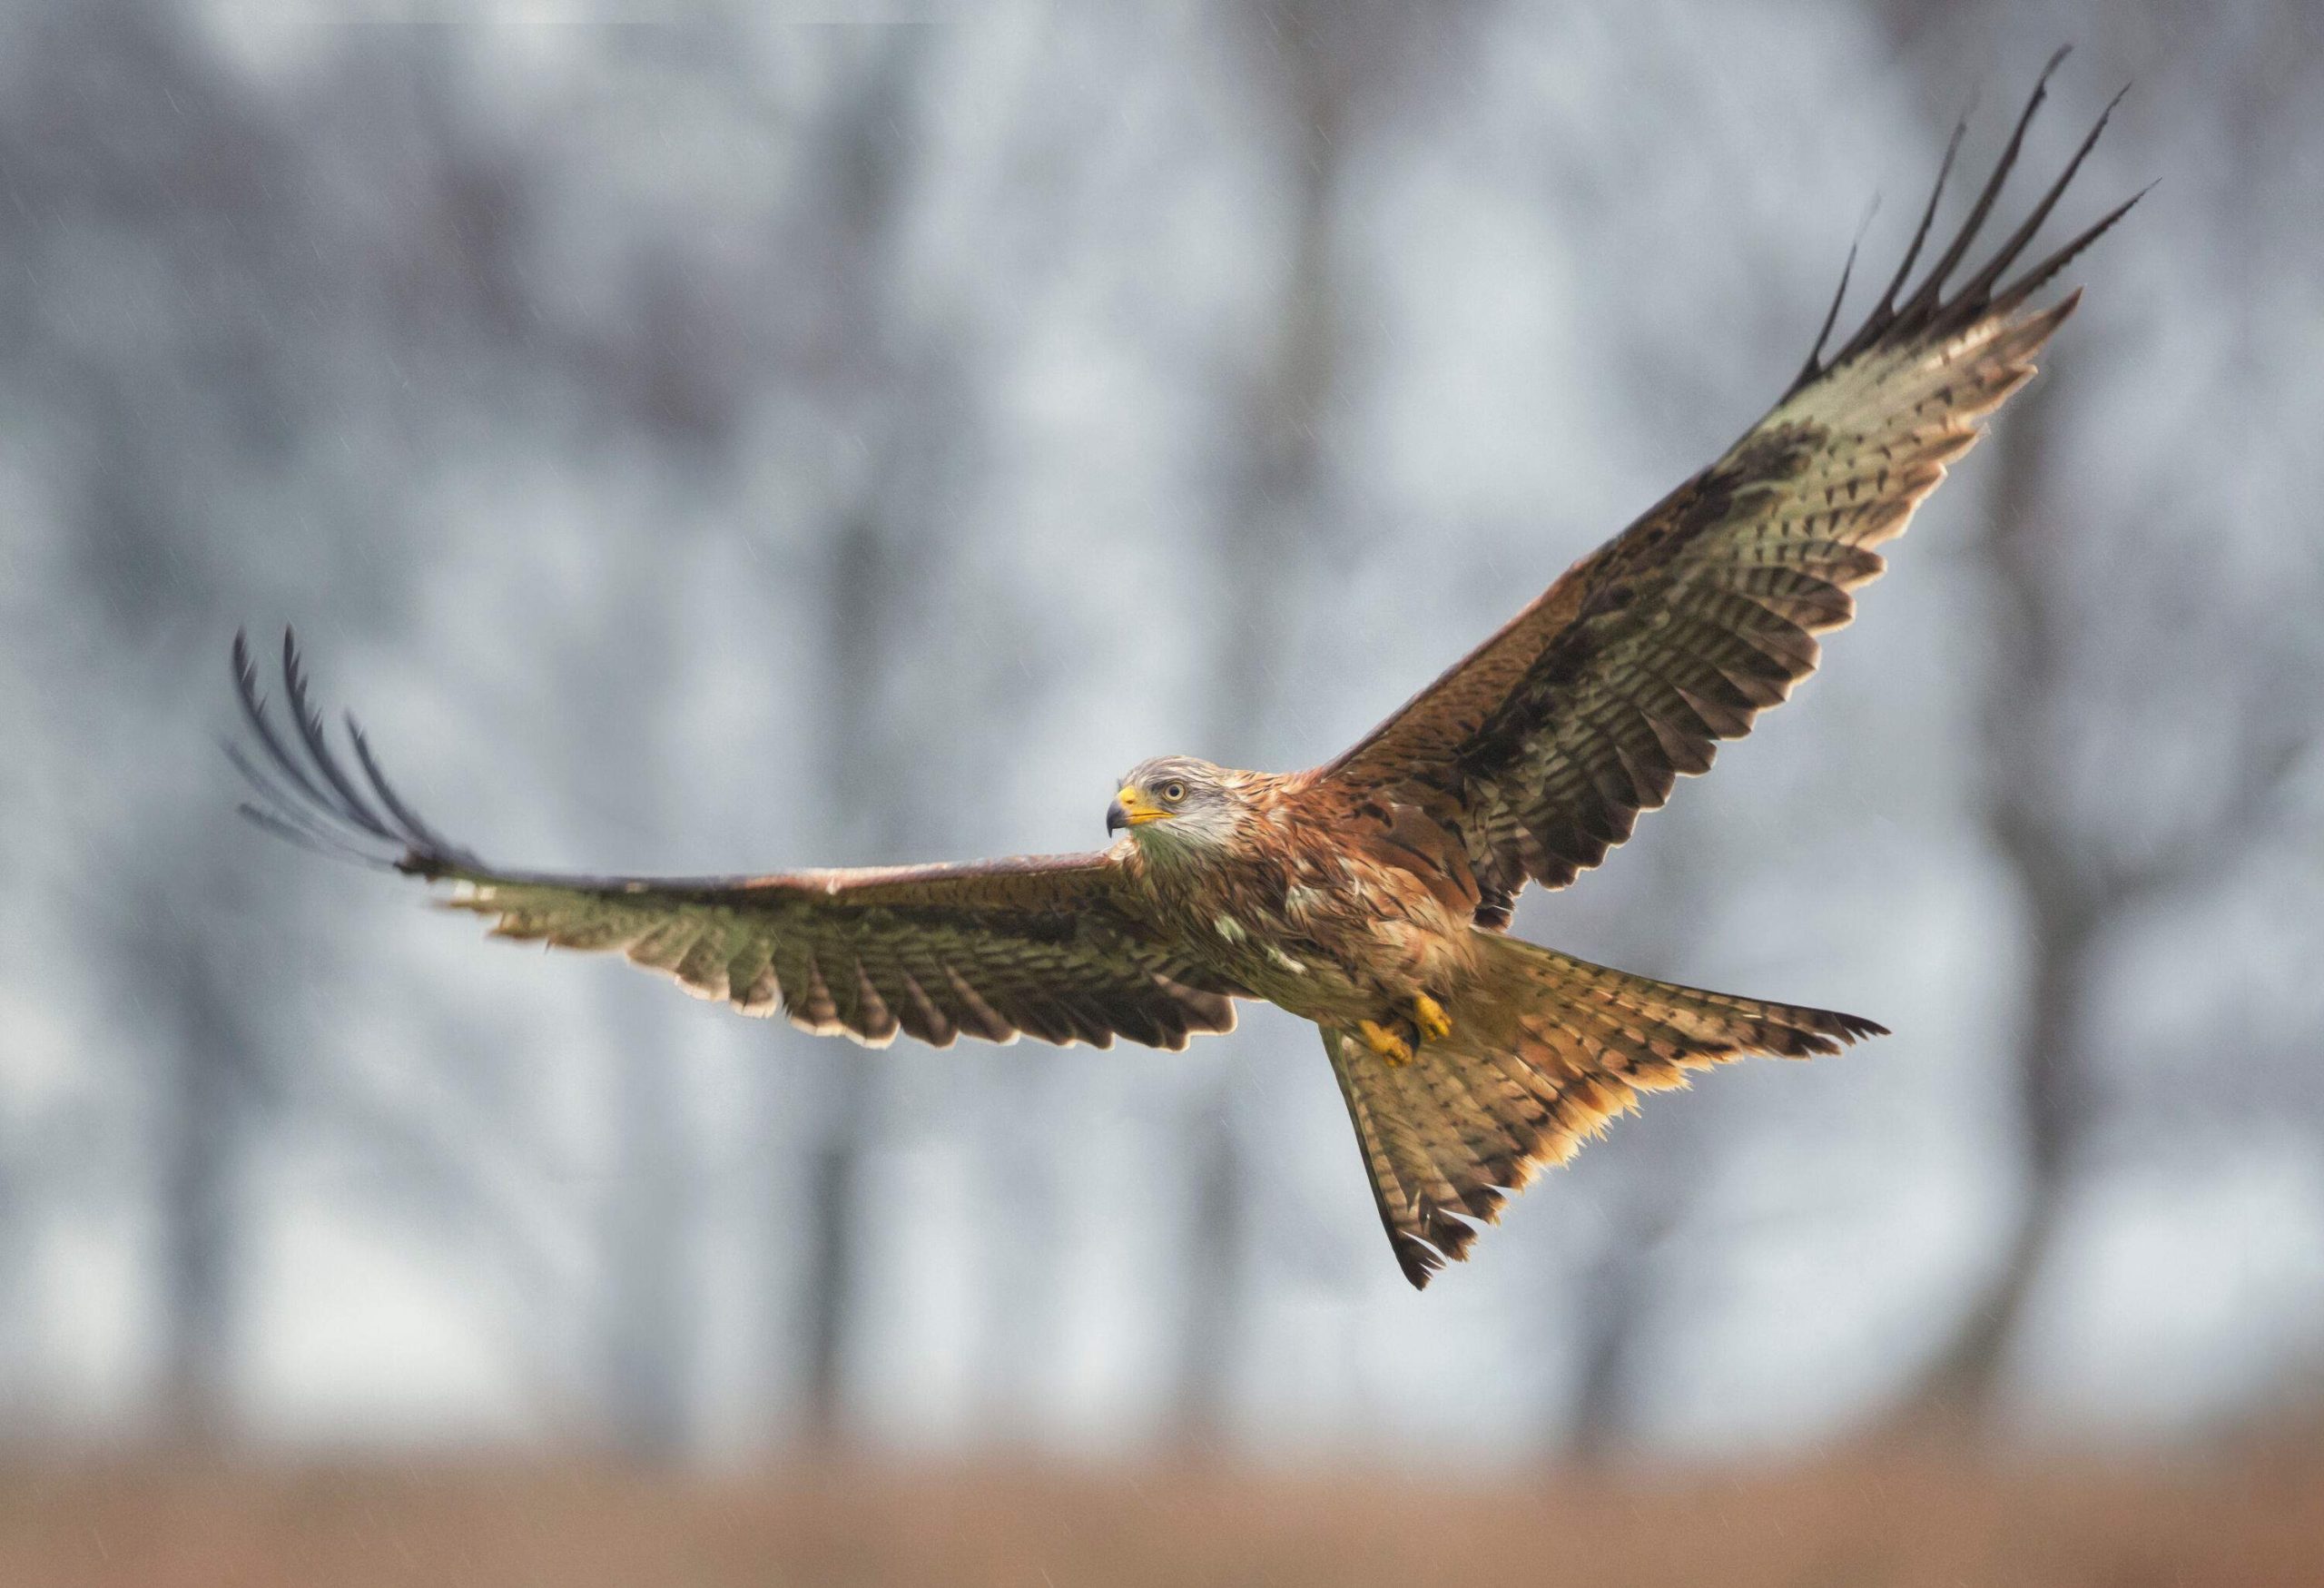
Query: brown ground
x,y
1886,1521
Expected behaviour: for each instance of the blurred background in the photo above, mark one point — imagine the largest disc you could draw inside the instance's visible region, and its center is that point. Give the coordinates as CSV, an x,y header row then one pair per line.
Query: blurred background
x,y
782,437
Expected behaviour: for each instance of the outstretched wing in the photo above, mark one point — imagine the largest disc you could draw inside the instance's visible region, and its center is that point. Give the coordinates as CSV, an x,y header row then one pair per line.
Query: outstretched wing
x,y
1050,946
1542,745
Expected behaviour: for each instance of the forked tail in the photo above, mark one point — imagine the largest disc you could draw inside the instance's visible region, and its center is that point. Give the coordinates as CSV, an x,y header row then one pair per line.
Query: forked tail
x,y
1545,1050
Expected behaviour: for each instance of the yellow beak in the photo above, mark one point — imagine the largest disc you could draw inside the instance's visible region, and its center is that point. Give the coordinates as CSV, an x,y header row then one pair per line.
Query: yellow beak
x,y
1132,809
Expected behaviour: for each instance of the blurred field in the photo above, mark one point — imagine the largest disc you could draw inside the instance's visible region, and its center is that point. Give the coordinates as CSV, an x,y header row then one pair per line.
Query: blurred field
x,y
2239,1521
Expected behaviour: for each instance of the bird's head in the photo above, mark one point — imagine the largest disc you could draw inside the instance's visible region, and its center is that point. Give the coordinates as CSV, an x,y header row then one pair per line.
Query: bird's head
x,y
1175,803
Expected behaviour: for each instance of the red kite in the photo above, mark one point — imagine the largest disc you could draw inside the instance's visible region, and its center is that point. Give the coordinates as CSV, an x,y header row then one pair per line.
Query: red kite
x,y
1371,895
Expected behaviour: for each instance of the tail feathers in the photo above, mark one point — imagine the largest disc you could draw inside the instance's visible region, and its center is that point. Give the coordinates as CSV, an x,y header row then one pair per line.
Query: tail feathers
x,y
1545,1050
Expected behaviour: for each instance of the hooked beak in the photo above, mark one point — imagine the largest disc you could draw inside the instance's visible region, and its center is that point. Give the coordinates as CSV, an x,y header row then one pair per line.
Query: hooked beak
x,y
1132,809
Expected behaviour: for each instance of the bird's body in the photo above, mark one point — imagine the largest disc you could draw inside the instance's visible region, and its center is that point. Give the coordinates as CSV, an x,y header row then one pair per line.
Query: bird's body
x,y
1371,895
1317,911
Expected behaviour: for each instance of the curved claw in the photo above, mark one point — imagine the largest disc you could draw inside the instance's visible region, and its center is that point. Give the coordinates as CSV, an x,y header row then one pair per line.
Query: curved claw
x,y
1386,1044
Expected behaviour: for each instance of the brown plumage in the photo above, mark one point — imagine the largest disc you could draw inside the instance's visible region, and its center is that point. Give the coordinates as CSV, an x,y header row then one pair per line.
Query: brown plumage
x,y
1370,894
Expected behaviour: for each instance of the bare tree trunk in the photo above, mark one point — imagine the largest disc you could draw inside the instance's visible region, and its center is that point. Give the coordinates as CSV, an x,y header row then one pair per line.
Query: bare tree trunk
x,y
1217,1240
201,1219
648,1324
1962,1385
872,815
869,160
1621,1292
1657,1165
1267,542
2067,901
834,1262
862,588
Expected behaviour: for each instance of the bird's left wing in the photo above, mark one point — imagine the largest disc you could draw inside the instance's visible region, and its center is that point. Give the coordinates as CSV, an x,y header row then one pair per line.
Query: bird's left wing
x,y
1050,946
1540,748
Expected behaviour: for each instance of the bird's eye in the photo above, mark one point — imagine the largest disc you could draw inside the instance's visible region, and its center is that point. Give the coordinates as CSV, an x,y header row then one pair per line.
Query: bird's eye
x,y
1174,792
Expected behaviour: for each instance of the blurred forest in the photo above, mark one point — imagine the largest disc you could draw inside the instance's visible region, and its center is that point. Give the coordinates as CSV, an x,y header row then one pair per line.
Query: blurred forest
x,y
758,441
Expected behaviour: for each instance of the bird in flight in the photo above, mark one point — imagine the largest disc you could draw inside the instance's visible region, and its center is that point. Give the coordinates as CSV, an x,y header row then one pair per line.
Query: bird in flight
x,y
1371,895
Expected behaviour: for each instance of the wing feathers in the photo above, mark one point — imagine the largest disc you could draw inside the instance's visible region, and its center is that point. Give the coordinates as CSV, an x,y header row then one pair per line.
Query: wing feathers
x,y
1054,947
1555,734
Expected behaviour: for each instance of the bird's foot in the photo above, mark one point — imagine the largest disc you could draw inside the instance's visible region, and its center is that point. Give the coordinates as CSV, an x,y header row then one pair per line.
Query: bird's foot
x,y
1429,1015
1389,1045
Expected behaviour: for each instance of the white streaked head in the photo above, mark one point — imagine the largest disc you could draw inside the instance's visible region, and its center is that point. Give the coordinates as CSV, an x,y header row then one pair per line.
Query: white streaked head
x,y
1176,804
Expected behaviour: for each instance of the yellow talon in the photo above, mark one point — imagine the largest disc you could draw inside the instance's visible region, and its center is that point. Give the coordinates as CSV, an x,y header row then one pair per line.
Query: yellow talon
x,y
1389,1045
1429,1015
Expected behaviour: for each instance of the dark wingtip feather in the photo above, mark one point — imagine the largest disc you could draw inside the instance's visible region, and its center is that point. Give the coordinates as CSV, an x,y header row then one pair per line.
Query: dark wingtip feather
x,y
2038,275
1979,288
307,798
1926,311
1928,218
1807,371
308,839
423,840
1929,298
349,806
254,714
1854,1027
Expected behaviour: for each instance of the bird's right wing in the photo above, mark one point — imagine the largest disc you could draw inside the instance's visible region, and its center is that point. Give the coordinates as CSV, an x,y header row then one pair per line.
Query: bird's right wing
x,y
1050,946
1541,748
